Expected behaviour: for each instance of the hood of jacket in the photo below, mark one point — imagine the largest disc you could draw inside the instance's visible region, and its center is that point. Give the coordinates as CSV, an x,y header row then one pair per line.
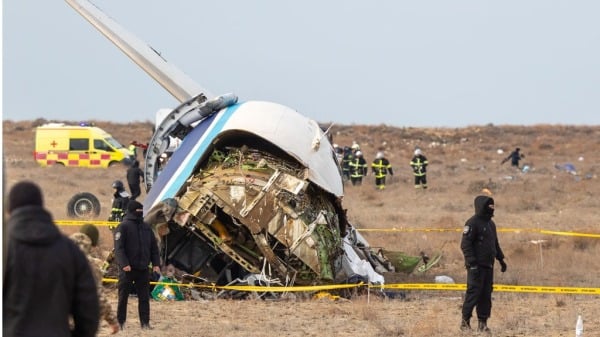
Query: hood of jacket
x,y
33,225
482,208
133,217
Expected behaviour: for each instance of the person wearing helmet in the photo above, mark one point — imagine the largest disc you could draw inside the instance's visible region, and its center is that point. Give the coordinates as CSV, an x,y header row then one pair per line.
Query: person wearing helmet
x,y
358,168
119,202
346,159
419,167
381,167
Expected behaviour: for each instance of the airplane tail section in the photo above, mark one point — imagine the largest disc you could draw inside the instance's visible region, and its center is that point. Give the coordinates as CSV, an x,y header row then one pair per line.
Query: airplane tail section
x,y
167,75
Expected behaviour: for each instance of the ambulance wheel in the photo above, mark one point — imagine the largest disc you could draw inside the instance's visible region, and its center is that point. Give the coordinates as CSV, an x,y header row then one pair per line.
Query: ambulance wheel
x,y
83,205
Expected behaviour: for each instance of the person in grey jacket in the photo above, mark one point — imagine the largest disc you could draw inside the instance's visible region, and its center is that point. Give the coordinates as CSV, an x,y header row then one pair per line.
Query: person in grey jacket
x,y
135,248
480,248
48,278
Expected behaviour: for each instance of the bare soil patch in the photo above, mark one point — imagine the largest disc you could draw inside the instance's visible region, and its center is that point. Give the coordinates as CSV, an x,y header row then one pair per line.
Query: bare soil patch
x,y
463,162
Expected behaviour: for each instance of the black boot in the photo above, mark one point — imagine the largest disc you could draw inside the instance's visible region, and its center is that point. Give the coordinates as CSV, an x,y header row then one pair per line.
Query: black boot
x,y
482,327
465,324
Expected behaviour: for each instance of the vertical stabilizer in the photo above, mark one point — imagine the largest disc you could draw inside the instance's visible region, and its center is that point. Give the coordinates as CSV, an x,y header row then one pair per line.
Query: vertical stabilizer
x,y
170,77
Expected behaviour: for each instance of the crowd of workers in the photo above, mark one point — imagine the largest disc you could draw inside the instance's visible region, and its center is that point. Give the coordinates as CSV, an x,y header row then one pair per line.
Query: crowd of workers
x,y
354,166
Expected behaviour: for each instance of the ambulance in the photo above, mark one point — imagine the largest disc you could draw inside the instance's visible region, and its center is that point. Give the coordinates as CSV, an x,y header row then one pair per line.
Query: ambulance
x,y
77,146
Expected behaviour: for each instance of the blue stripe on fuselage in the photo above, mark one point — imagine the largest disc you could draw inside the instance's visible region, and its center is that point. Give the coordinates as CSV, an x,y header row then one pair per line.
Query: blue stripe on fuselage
x,y
186,157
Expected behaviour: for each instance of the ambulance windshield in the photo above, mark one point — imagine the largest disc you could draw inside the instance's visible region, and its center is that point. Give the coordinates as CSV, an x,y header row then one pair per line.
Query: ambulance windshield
x,y
113,142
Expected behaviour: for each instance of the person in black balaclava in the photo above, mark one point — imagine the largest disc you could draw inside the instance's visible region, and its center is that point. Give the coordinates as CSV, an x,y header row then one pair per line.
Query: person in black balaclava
x,y
480,248
135,249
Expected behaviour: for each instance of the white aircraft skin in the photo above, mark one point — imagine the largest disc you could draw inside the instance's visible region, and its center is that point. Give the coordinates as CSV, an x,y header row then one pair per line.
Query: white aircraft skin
x,y
286,128
203,120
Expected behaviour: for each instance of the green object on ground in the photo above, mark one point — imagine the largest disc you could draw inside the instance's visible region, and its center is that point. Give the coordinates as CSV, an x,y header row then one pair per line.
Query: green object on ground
x,y
401,261
167,290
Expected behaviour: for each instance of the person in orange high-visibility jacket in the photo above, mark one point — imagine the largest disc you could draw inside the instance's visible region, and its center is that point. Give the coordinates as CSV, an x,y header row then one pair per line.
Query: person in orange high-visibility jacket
x,y
381,167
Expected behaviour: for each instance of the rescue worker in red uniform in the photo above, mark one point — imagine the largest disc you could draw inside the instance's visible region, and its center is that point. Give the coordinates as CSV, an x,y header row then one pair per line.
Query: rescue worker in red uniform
x,y
381,167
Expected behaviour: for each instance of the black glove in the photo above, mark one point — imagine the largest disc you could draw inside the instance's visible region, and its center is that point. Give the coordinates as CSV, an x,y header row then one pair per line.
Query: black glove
x,y
502,266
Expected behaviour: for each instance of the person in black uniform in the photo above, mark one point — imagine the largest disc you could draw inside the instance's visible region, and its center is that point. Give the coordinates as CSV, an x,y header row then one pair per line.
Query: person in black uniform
x,y
135,176
346,159
47,278
381,167
119,201
514,158
135,249
419,165
358,168
480,247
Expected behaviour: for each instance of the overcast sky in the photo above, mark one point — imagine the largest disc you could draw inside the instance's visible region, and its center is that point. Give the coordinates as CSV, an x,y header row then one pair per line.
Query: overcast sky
x,y
402,63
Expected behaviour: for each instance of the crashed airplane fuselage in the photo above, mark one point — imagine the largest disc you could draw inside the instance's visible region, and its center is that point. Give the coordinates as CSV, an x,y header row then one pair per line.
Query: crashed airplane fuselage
x,y
254,187
244,201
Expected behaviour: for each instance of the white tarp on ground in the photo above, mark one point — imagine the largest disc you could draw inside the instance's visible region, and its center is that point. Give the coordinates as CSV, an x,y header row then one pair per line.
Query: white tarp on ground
x,y
353,264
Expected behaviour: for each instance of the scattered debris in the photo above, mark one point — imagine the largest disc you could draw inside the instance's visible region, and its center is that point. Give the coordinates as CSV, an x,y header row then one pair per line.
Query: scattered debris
x,y
444,279
567,167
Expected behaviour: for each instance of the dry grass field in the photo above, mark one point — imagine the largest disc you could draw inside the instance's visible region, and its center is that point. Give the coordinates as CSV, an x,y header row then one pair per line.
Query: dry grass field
x,y
462,162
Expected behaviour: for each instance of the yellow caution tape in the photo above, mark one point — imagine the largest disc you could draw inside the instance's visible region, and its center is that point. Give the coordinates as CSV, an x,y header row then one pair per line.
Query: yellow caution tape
x,y
409,229
405,286
83,222
423,286
547,290
513,230
497,287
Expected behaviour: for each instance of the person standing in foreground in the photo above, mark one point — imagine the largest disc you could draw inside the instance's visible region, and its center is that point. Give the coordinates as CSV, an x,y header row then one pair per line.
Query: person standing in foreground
x,y
135,249
48,279
480,248
419,165
86,238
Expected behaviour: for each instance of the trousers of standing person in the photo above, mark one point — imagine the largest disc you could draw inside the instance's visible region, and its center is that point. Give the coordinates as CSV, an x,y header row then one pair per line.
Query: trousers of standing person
x,y
136,249
140,280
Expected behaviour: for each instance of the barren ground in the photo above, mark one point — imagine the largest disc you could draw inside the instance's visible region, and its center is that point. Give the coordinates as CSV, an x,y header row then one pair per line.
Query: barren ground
x,y
462,162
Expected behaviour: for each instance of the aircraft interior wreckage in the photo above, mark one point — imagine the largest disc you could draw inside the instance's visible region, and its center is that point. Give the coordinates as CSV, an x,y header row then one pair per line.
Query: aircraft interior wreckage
x,y
243,198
